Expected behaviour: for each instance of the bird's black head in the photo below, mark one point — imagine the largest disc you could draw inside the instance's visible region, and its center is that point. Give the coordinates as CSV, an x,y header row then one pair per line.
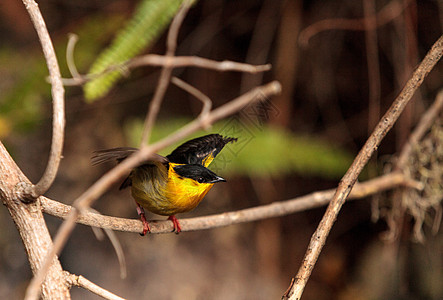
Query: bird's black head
x,y
197,173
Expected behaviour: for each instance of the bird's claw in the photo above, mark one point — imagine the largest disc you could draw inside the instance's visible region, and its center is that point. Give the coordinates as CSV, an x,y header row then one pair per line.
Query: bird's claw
x,y
177,228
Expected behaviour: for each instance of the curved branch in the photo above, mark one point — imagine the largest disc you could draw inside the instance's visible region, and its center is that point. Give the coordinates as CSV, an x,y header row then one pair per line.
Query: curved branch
x,y
207,102
276,209
58,123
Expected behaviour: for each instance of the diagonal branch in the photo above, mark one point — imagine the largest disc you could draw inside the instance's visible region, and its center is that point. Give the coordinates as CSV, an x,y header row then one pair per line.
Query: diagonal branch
x,y
30,192
166,72
99,187
319,237
80,281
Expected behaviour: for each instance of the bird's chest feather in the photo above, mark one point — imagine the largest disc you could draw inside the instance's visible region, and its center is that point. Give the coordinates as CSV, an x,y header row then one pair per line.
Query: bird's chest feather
x,y
184,193
163,192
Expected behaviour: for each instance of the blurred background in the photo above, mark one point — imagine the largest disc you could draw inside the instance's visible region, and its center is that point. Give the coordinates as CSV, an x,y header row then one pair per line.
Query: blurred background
x,y
337,80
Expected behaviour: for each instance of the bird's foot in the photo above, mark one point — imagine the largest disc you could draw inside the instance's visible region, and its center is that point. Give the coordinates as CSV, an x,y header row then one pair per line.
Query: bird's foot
x,y
177,227
141,213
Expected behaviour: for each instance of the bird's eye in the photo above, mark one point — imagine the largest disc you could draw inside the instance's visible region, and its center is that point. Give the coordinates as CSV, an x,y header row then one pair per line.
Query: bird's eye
x,y
200,179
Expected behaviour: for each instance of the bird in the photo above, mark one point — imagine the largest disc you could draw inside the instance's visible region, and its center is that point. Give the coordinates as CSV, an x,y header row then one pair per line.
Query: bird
x,y
173,184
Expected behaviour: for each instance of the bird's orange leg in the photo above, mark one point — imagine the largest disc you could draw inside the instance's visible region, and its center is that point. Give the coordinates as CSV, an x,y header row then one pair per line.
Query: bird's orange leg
x,y
177,227
141,213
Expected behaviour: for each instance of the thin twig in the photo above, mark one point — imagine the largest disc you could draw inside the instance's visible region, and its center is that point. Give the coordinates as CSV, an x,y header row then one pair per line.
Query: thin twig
x,y
58,114
276,209
207,102
156,60
384,16
422,127
166,72
319,237
195,61
70,61
100,186
80,281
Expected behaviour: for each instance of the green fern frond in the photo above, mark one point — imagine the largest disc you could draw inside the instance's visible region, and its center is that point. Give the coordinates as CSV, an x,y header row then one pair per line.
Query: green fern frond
x,y
149,21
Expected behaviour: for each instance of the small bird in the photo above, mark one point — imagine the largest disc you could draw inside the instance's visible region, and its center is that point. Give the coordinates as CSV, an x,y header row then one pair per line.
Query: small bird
x,y
173,184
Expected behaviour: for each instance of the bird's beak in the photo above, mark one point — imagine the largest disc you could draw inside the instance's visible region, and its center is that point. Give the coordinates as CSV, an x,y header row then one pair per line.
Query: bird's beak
x,y
218,179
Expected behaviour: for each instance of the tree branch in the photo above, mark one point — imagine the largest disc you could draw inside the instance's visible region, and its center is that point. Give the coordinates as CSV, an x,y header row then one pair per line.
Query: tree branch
x,y
319,237
80,281
28,191
276,209
156,60
207,102
31,227
166,72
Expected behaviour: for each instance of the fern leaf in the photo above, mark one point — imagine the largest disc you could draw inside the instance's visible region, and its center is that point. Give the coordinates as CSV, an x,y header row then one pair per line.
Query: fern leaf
x,y
149,21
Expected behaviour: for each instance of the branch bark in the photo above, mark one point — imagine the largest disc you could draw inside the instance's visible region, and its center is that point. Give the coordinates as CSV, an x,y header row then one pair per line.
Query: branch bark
x,y
80,281
166,72
32,228
31,192
276,209
156,60
319,237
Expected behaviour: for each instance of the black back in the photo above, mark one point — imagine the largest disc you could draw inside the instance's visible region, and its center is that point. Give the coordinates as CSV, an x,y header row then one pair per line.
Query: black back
x,y
197,150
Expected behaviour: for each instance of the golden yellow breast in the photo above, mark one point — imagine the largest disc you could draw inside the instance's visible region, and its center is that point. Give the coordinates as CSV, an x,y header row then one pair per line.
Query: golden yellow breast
x,y
166,194
184,193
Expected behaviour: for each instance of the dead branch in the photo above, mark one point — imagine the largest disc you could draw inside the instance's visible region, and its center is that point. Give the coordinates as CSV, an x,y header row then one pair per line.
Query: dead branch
x,y
166,72
31,192
276,209
156,60
80,281
31,227
387,121
207,102
70,62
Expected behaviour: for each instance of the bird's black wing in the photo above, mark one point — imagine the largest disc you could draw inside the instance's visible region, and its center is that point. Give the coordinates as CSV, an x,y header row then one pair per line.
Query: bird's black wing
x,y
201,150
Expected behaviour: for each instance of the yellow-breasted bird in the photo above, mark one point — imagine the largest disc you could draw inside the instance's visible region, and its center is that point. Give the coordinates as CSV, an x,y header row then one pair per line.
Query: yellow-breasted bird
x,y
173,184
